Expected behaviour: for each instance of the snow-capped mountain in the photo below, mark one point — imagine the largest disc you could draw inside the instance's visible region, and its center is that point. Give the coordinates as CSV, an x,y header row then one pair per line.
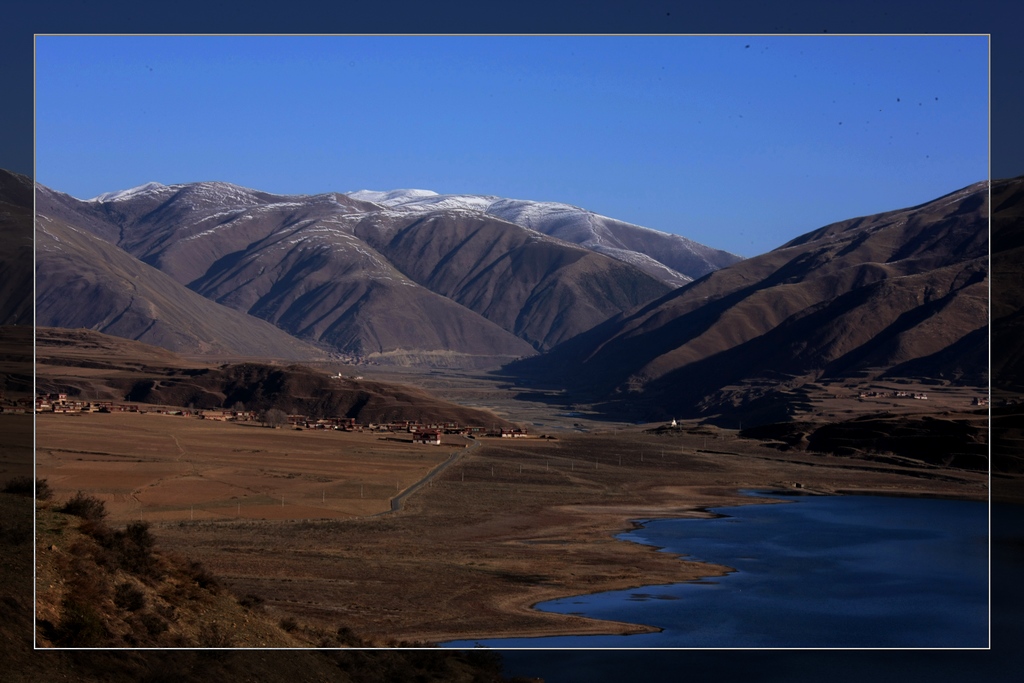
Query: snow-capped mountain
x,y
402,274
670,258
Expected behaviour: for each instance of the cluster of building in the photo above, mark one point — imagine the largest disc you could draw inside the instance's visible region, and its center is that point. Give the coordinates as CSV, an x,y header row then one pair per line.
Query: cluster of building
x,y
894,394
60,403
426,433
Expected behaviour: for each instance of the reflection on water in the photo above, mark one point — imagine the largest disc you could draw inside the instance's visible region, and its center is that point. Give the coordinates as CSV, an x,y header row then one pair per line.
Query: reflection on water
x,y
817,572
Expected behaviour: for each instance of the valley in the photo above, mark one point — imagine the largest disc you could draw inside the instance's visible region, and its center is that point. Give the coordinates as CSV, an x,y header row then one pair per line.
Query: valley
x,y
508,523
850,360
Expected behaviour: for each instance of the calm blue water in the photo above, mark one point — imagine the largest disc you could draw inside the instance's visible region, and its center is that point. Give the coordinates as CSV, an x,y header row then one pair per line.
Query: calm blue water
x,y
818,571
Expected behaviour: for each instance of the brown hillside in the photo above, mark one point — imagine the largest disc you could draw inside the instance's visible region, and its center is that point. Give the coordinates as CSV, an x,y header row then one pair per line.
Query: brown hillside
x,y
180,596
543,290
85,282
858,298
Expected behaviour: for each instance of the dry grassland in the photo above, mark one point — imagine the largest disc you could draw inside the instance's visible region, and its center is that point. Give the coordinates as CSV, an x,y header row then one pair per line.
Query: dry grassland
x,y
517,522
839,400
163,468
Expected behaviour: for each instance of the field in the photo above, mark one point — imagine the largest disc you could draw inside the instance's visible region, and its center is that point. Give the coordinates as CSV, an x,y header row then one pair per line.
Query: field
x,y
510,523
159,467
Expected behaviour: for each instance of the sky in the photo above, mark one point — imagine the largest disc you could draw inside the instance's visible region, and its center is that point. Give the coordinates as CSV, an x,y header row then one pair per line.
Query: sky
x,y
738,142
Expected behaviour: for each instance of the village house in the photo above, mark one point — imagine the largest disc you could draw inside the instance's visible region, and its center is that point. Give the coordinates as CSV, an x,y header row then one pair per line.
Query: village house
x,y
217,415
429,437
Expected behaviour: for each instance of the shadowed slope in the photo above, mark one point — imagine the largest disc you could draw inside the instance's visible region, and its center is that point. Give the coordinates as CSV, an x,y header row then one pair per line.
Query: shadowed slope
x,y
854,298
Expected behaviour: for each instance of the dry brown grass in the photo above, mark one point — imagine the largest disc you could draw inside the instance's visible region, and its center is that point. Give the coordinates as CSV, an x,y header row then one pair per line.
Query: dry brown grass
x,y
169,468
508,525
517,522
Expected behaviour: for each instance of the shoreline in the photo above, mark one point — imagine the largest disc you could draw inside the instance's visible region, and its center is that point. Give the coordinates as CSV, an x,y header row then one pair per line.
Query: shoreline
x,y
630,628
592,626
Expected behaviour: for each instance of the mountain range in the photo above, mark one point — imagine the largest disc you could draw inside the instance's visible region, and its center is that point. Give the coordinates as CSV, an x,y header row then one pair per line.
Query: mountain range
x,y
456,280
642,323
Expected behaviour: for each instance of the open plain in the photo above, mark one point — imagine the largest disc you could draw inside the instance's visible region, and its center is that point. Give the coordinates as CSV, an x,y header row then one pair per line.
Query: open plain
x,y
510,523
160,467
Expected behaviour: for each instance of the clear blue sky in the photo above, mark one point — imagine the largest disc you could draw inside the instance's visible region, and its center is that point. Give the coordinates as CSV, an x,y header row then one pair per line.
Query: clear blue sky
x,y
741,148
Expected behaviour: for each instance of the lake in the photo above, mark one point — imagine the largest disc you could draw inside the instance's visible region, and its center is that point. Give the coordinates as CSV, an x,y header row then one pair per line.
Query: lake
x,y
811,572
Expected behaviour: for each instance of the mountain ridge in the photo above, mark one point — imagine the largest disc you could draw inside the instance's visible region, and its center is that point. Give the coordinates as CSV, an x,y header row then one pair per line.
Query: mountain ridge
x,y
854,298
326,269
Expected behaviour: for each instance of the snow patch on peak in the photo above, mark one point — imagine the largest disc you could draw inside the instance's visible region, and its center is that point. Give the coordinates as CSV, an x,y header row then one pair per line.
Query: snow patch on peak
x,y
216,190
531,214
148,188
445,202
390,197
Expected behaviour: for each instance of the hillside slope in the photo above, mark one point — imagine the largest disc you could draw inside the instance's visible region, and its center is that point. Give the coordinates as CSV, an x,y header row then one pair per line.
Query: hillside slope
x,y
901,292
542,290
83,281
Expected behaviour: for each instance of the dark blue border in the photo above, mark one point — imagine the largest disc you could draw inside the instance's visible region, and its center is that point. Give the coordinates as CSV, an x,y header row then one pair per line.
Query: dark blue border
x,y
1004,20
